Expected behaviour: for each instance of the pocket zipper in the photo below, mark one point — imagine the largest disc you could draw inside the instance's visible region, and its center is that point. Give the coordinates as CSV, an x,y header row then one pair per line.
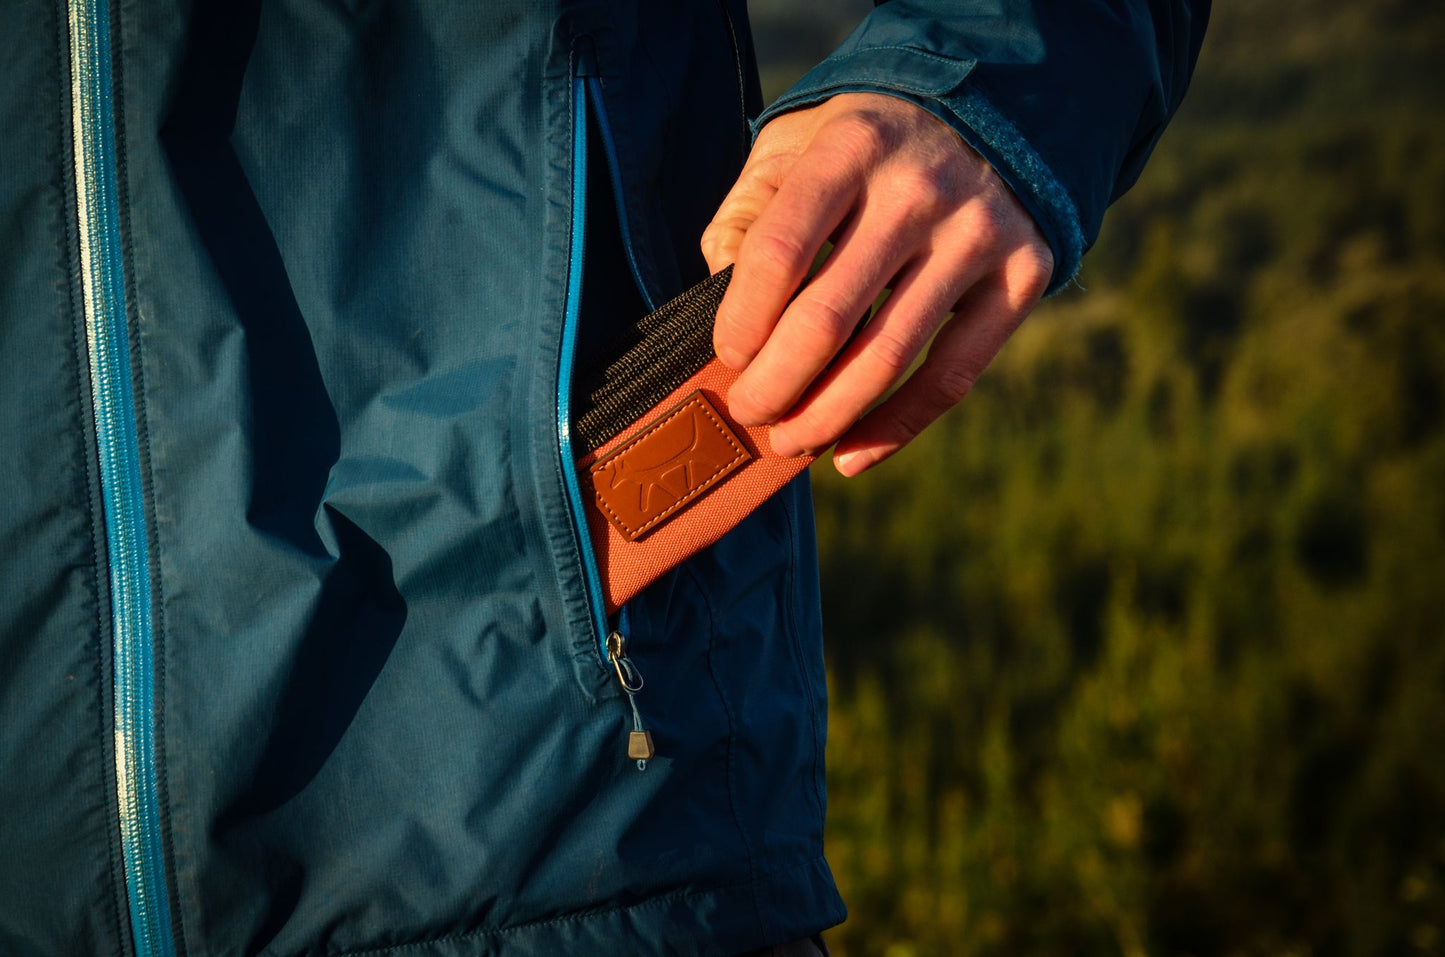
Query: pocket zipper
x,y
612,641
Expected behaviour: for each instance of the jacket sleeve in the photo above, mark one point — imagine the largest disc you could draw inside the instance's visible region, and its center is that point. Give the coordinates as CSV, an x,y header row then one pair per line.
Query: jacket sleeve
x,y
1065,98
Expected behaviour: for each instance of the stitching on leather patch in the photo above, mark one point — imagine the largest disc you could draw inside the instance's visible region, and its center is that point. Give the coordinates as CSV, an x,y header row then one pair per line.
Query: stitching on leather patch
x,y
667,466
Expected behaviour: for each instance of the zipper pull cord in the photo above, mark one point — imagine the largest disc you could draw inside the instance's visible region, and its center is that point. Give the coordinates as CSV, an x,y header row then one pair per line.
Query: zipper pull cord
x,y
639,741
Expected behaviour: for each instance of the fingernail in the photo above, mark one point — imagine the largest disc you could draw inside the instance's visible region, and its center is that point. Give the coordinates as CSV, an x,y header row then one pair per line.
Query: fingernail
x,y
732,358
852,463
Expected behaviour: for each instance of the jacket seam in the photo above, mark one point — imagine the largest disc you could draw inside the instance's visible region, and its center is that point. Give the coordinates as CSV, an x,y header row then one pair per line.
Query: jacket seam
x,y
735,43
906,47
638,232
731,769
643,905
795,641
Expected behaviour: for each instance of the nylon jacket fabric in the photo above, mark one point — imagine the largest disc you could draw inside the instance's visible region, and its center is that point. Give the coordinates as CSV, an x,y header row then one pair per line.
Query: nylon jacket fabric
x,y
383,721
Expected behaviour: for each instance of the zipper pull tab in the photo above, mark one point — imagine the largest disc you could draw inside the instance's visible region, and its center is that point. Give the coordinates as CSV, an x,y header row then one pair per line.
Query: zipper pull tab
x,y
639,741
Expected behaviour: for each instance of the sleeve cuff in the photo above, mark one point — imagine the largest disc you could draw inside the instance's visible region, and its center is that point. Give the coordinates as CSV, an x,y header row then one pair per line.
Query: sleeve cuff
x,y
940,85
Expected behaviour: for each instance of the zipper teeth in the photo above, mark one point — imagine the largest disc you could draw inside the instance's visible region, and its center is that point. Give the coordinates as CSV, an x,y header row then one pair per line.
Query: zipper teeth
x,y
569,351
118,451
614,167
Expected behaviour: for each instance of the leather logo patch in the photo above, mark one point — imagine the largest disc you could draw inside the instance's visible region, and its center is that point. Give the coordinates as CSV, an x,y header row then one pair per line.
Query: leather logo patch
x,y
656,474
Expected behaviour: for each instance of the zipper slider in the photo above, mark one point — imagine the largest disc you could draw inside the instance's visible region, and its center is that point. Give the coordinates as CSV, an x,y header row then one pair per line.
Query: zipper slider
x,y
639,741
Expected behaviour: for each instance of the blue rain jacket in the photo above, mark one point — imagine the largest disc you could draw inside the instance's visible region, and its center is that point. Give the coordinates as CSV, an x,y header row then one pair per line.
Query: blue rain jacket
x,y
300,650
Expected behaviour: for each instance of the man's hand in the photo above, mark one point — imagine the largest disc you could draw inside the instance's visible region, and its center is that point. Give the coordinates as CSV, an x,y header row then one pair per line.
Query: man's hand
x,y
910,208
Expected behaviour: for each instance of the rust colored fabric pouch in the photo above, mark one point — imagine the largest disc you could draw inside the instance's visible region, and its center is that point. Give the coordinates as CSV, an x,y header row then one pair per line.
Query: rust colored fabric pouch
x,y
663,470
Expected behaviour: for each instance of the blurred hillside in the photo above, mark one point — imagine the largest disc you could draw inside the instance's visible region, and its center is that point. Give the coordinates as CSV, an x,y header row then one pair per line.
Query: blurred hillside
x,y
1142,649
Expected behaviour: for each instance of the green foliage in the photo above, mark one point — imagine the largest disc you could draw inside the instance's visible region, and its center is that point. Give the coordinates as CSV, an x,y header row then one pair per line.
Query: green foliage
x,y
1142,649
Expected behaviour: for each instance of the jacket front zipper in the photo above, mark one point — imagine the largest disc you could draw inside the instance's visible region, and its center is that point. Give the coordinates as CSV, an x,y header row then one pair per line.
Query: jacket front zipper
x,y
93,141
612,643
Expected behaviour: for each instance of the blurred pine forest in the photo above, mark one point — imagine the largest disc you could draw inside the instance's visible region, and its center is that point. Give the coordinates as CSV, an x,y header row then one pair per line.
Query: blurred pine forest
x,y
1142,649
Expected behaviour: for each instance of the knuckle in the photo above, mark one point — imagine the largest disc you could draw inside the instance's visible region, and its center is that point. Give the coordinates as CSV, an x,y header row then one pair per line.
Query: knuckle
x,y
868,134
931,189
810,429
825,321
1034,268
989,224
903,424
777,252
1024,277
770,170
946,387
738,333
894,352
712,239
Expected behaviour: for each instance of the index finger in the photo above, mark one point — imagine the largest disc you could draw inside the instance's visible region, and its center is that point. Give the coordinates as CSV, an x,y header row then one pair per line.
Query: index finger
x,y
779,249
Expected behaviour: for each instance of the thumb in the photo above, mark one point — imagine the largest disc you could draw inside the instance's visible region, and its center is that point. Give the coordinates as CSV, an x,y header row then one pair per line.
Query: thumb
x,y
739,210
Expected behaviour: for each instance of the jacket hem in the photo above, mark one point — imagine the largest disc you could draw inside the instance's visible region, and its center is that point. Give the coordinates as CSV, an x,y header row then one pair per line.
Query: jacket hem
x,y
715,922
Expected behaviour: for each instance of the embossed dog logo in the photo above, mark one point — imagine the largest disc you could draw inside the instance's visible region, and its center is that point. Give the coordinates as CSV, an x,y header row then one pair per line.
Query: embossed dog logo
x,y
667,465
662,463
